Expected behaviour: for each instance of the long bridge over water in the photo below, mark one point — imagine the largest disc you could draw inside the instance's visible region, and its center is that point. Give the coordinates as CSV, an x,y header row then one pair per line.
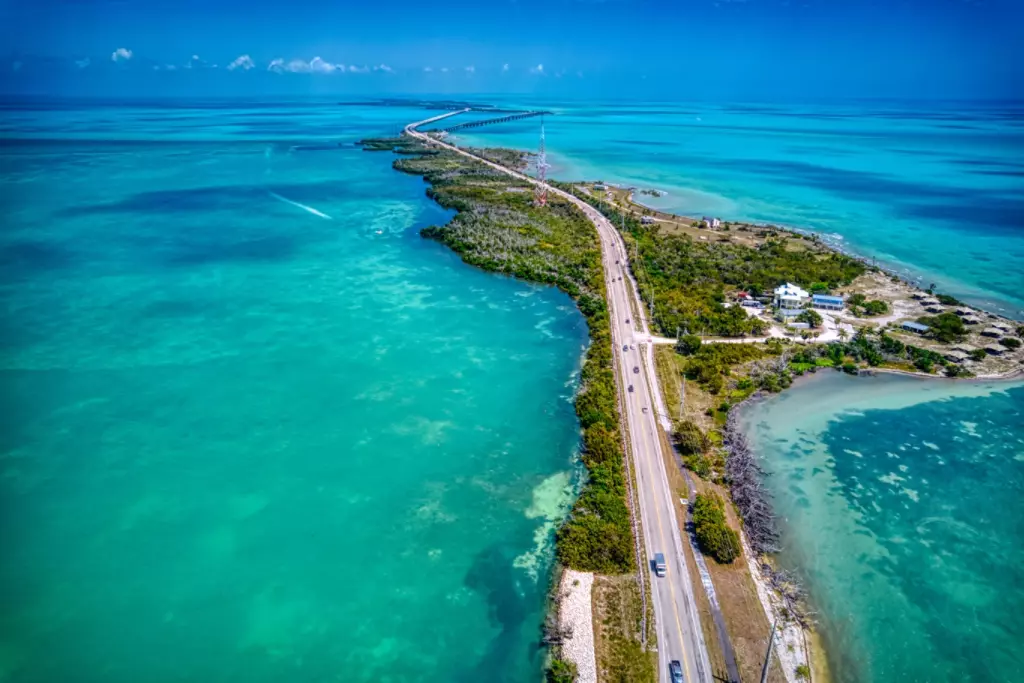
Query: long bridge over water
x,y
488,122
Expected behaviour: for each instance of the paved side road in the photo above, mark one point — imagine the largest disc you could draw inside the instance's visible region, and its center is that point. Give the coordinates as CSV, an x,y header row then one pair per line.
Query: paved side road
x,y
677,621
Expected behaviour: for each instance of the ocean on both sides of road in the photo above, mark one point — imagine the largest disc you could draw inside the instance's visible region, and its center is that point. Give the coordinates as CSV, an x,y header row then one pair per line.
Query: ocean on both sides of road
x,y
934,190
254,428
900,503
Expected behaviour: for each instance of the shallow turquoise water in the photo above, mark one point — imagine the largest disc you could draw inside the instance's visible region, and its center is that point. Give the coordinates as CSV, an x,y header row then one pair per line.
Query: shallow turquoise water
x,y
900,502
935,189
247,442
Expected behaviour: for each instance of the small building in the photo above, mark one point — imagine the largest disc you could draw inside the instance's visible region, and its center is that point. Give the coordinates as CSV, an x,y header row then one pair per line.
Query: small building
x,y
929,302
646,220
995,349
919,296
911,326
786,314
710,222
1002,326
800,326
790,296
956,356
961,311
600,186
742,296
827,302
934,309
971,320
966,348
991,332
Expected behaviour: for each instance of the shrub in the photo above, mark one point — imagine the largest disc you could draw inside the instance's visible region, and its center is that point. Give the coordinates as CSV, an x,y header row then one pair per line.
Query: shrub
x,y
803,672
948,300
946,327
856,299
850,368
561,671
1020,330
690,439
714,536
978,354
1010,342
876,307
688,345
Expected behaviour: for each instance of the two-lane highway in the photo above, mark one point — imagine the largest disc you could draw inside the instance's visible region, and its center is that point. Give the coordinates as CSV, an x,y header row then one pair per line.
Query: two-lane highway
x,y
678,624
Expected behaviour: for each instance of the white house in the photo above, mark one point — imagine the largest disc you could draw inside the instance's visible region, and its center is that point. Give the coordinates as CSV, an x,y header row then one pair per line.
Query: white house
x,y
712,223
646,220
790,296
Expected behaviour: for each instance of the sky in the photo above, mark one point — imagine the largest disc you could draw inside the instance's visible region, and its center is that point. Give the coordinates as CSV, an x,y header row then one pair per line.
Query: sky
x,y
671,49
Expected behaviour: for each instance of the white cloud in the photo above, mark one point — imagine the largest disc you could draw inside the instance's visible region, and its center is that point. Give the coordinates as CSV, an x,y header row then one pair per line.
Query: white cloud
x,y
300,66
384,67
470,69
243,62
121,54
444,69
428,69
82,63
539,69
171,67
504,67
358,69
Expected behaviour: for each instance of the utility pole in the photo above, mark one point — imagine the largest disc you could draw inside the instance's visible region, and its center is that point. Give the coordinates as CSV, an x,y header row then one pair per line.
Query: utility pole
x,y
768,656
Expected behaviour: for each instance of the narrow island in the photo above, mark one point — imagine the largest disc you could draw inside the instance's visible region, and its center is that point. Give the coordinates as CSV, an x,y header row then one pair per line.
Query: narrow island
x,y
737,310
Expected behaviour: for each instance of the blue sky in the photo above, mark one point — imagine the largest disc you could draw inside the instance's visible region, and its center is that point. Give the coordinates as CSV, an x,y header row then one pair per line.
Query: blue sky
x,y
686,49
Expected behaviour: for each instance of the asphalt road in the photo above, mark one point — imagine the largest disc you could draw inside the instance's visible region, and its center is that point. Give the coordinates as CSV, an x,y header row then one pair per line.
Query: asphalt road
x,y
675,612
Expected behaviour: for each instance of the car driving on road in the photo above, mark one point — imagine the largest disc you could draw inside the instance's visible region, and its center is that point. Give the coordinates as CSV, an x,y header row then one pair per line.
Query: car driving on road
x,y
676,671
636,369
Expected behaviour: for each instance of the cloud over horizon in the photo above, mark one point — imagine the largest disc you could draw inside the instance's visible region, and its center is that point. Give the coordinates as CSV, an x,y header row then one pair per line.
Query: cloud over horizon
x,y
121,54
243,62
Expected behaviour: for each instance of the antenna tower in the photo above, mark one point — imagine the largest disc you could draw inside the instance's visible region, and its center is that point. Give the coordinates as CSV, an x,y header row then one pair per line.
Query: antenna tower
x,y
542,169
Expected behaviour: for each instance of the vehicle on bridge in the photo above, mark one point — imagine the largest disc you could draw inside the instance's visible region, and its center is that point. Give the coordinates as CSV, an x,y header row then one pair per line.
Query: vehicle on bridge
x,y
660,567
675,669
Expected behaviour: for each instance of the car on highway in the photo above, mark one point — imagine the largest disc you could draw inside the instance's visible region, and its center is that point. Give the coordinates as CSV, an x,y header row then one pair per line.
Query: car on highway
x,y
636,369
625,347
644,409
660,567
627,321
631,388
675,669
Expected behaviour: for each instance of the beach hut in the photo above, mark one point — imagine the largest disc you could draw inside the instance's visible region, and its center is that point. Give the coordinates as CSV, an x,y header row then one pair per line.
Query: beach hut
x,y
956,356
827,302
966,348
1002,326
646,220
934,309
919,296
911,326
991,332
995,349
971,320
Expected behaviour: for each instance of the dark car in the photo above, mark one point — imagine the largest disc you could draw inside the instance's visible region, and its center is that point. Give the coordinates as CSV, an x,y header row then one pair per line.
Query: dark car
x,y
625,347
676,671
636,369
631,388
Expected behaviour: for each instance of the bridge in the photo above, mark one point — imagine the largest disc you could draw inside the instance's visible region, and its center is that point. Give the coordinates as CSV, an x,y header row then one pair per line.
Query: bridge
x,y
500,119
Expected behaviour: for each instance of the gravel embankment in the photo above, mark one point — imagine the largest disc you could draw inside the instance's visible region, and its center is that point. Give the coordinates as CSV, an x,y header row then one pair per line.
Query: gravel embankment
x,y
575,611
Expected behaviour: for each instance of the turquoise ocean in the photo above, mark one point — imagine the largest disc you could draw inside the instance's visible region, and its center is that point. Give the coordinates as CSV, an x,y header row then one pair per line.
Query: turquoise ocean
x,y
256,429
243,441
900,503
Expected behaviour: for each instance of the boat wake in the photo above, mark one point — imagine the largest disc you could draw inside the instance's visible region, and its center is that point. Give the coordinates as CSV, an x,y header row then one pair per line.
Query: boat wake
x,y
310,209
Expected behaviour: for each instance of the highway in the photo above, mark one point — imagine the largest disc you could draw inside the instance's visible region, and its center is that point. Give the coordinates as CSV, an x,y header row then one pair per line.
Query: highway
x,y
677,621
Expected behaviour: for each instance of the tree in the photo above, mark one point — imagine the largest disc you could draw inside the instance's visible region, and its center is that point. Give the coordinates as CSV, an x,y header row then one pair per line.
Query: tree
x,y
688,345
1010,342
690,439
714,536
857,299
946,327
819,288
811,317
978,354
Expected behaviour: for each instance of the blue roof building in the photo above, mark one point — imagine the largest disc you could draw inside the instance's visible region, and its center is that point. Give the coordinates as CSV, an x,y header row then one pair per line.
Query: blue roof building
x,y
827,301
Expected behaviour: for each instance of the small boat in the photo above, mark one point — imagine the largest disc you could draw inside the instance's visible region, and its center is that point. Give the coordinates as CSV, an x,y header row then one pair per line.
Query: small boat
x,y
380,232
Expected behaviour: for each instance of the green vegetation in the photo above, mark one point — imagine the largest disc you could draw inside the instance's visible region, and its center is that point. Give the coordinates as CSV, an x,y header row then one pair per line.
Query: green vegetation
x,y
1010,342
688,345
803,672
948,300
811,317
688,279
945,327
1020,331
498,228
714,536
713,362
875,307
693,446
876,351
978,354
561,671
